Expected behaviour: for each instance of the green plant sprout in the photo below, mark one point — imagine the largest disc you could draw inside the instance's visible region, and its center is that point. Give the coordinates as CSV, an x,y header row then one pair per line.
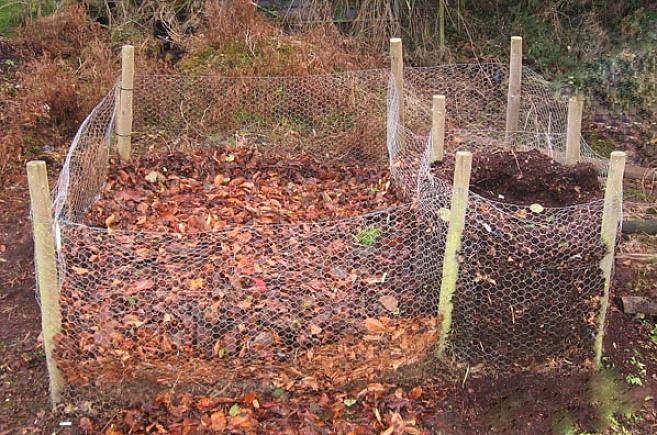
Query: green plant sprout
x,y
368,236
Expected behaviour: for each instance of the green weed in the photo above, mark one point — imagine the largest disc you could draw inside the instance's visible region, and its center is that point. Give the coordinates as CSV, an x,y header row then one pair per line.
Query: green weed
x,y
368,236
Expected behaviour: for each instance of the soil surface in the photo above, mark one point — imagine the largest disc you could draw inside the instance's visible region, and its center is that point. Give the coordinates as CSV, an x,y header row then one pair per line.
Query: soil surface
x,y
24,404
526,177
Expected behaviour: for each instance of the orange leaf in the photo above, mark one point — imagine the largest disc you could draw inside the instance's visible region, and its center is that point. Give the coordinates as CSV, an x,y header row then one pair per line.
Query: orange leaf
x,y
80,270
415,393
195,284
374,326
250,397
218,421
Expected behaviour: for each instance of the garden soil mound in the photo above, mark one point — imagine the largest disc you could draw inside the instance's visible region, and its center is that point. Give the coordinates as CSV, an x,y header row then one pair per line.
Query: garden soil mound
x,y
526,177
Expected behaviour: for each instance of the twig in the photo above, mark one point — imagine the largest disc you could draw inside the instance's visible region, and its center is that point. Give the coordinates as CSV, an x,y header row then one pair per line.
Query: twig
x,y
467,372
517,163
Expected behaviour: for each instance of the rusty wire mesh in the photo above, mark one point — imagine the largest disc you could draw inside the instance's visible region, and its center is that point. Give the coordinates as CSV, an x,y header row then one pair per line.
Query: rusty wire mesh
x,y
331,302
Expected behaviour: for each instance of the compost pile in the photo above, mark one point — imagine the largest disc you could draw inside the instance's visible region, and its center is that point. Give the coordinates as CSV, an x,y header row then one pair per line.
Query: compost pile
x,y
211,264
527,177
212,189
529,279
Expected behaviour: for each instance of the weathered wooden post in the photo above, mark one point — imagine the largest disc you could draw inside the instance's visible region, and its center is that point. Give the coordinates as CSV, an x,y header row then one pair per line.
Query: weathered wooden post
x,y
574,130
454,231
397,69
441,23
438,129
515,84
611,218
45,261
124,115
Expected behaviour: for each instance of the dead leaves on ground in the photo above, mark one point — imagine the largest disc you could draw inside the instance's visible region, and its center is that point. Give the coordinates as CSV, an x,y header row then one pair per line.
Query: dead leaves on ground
x,y
374,408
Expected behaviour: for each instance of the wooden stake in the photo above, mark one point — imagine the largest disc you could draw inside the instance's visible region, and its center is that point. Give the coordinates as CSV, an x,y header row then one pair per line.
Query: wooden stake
x,y
574,130
397,68
438,129
46,271
515,78
450,261
611,218
124,115
441,23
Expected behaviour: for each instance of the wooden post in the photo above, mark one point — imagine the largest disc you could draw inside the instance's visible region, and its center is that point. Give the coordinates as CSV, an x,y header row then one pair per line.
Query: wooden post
x,y
515,78
397,68
450,261
438,129
611,218
574,130
46,270
441,23
124,115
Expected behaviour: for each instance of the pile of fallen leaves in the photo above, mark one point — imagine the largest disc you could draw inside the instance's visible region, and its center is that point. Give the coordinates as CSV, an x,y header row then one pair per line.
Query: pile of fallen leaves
x,y
228,263
211,189
375,408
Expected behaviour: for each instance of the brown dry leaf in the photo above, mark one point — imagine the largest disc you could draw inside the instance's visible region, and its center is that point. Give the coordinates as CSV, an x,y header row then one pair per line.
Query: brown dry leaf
x,y
245,304
80,270
415,393
141,285
132,320
112,431
243,421
195,284
111,219
219,179
218,421
245,265
86,424
390,303
374,326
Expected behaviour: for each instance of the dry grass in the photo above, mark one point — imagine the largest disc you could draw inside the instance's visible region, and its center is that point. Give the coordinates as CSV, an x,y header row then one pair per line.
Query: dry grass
x,y
66,65
70,61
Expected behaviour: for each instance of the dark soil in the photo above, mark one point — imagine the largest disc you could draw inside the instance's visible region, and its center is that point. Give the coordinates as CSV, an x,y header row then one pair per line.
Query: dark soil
x,y
24,403
526,177
515,257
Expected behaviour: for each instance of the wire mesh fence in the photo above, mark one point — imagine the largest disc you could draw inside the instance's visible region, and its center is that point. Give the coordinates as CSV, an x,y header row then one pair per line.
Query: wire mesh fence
x,y
310,304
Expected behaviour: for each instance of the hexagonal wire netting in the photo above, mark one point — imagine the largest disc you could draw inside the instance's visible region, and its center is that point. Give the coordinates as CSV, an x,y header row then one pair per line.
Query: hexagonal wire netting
x,y
304,305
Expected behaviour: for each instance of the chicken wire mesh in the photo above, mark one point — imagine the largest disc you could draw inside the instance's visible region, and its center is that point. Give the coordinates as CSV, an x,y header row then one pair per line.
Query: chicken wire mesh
x,y
329,302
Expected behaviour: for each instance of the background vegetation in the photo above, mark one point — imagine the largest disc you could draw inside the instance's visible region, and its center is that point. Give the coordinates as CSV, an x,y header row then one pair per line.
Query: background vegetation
x,y
60,56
